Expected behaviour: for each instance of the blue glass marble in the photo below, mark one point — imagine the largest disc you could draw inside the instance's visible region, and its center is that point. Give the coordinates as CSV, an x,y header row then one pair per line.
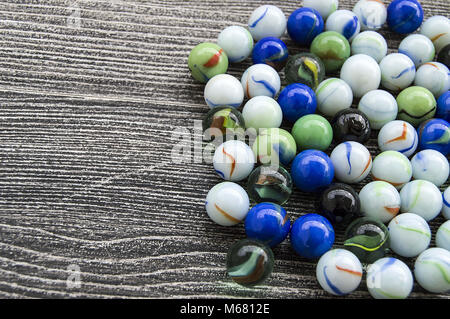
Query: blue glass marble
x,y
271,51
297,100
435,134
312,235
443,107
404,16
268,223
304,24
312,171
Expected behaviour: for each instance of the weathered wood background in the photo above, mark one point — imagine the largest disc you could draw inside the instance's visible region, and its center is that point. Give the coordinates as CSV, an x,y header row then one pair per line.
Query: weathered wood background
x,y
91,92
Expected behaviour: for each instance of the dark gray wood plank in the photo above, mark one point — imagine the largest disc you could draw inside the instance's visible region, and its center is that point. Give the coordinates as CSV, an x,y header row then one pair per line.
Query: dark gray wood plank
x,y
91,93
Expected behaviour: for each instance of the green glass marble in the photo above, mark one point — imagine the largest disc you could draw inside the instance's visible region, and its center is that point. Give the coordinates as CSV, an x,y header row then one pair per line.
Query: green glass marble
x,y
305,68
207,60
269,184
415,105
332,48
312,131
274,142
223,121
249,262
367,238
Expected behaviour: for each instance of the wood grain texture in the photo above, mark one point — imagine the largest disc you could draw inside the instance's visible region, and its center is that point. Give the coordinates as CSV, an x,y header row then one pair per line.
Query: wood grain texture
x,y
90,95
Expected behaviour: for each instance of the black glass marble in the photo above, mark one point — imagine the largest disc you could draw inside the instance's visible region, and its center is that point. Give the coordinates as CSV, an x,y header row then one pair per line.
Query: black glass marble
x,y
444,56
340,204
368,239
305,68
350,125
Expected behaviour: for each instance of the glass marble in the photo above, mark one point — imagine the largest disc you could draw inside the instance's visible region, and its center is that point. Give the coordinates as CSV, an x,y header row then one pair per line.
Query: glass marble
x,y
404,16
312,131
260,80
418,48
305,68
304,24
434,134
312,171
223,121
268,223
443,107
267,21
249,262
325,7
362,73
432,270
207,60
297,100
444,56
344,22
434,76
431,166
271,51
443,236
340,204
367,238
437,29
262,112
233,160
392,167
415,105
370,43
380,200
274,146
397,71
389,278
398,136
446,203
227,204
352,162
332,48
379,106
312,235
339,272
422,198
371,13
270,184
409,235
350,125
333,95
237,43
224,89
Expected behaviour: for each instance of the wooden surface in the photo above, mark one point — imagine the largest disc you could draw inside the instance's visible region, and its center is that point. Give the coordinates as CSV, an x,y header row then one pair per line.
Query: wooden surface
x,y
91,92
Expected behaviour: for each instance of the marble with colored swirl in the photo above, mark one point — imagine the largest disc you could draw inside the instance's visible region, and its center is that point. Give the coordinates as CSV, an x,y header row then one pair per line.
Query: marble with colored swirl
x,y
339,272
418,48
207,60
437,29
305,68
367,238
223,122
380,200
398,136
397,71
433,76
344,22
422,198
274,146
227,204
352,162
237,43
267,21
249,262
224,89
431,166
415,105
333,95
435,134
269,183
389,278
409,235
432,270
271,51
233,160
268,223
260,80
371,13
404,16
443,236
379,106
392,167
304,24
370,43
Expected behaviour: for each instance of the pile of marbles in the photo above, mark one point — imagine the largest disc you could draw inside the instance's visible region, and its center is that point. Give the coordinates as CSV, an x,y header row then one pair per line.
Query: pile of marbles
x,y
390,215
